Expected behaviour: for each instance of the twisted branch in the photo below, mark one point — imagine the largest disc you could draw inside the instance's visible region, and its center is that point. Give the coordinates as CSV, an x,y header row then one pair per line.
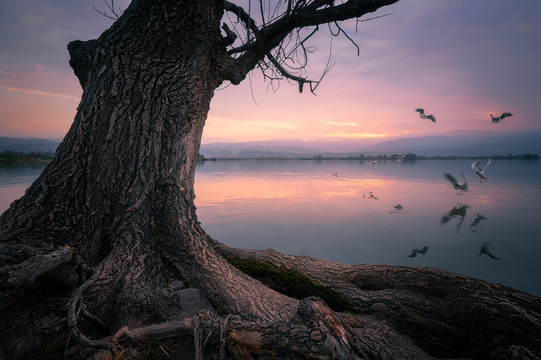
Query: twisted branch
x,y
290,58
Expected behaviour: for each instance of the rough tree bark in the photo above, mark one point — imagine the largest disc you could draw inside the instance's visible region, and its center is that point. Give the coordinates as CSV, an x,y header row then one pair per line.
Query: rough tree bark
x,y
95,241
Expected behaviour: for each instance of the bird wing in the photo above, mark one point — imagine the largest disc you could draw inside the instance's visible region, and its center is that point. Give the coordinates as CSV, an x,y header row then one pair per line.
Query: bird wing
x,y
465,181
451,178
505,114
495,119
475,166
431,117
486,165
421,111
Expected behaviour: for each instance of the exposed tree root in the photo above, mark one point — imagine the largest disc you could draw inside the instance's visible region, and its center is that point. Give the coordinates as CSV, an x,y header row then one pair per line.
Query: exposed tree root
x,y
73,313
313,332
27,271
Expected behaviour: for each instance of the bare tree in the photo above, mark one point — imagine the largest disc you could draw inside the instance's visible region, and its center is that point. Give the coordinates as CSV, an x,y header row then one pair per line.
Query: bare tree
x,y
89,253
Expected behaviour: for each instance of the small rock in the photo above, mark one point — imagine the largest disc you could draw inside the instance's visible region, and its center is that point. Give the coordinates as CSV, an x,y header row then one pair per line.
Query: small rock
x,y
176,285
192,301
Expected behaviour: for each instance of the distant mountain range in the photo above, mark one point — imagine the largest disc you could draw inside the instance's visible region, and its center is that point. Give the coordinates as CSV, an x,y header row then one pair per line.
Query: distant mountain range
x,y
28,145
455,143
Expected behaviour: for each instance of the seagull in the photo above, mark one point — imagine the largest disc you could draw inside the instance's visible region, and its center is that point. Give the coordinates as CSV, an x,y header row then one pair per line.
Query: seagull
x,y
398,207
400,158
460,187
372,162
501,117
480,171
335,174
423,116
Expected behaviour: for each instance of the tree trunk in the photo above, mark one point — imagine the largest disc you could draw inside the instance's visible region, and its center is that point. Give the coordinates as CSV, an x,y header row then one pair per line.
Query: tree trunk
x,y
119,192
89,252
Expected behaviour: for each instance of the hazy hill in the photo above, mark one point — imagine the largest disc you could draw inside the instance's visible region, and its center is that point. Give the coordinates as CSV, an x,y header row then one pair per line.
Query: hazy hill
x,y
465,143
458,143
28,145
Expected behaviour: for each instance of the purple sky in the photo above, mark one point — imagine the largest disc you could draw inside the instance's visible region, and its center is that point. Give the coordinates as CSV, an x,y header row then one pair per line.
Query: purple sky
x,y
460,60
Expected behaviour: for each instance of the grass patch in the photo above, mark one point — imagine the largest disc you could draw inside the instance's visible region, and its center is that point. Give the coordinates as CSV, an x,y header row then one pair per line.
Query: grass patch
x,y
292,283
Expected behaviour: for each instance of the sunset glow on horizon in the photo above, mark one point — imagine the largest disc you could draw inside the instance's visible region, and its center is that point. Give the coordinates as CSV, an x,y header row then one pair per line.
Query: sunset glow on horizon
x,y
461,63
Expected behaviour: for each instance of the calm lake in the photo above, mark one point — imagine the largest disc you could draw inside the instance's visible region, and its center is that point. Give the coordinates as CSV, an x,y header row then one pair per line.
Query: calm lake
x,y
402,213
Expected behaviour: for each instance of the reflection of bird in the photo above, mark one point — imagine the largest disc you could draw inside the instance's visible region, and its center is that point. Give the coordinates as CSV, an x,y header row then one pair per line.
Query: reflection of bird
x,y
480,171
458,211
371,196
423,116
476,223
414,252
486,251
501,117
460,187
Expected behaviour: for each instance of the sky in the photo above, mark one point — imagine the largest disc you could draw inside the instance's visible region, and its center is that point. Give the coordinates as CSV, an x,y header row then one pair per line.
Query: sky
x,y
459,60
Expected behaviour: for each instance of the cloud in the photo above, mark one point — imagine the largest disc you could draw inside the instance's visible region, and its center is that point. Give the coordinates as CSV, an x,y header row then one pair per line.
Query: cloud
x,y
341,123
38,92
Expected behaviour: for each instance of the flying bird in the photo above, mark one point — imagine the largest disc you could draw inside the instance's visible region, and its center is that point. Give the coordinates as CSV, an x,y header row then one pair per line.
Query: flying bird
x,y
423,116
460,187
501,117
372,162
480,171
400,158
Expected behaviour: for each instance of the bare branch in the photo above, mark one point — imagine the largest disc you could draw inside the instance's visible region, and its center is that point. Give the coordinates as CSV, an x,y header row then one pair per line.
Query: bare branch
x,y
372,18
276,48
340,30
111,6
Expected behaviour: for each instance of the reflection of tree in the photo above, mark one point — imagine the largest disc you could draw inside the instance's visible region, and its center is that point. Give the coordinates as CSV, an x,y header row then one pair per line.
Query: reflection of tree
x,y
485,250
414,252
458,211
476,223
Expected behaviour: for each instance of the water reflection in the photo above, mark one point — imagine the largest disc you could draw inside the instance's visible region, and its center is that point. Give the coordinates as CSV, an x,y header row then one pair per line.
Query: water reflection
x,y
476,223
422,251
370,195
299,207
485,250
459,212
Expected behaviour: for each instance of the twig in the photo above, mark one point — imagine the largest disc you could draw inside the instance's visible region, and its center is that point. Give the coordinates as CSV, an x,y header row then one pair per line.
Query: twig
x,y
223,330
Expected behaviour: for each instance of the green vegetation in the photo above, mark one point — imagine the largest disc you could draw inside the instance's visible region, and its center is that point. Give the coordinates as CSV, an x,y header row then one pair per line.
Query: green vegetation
x,y
292,283
10,156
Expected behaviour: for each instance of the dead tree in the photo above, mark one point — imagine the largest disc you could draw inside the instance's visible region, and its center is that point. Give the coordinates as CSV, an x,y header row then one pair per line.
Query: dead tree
x,y
88,253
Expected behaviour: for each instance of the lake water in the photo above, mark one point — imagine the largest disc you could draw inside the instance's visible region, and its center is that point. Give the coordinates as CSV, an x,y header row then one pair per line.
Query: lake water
x,y
401,213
